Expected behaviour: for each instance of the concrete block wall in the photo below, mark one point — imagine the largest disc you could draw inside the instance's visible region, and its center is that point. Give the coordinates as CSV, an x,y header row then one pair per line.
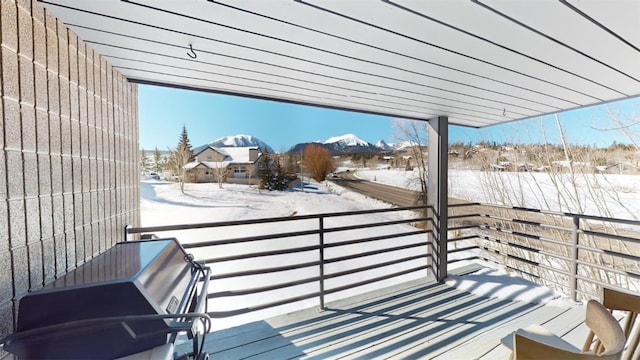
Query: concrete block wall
x,y
69,180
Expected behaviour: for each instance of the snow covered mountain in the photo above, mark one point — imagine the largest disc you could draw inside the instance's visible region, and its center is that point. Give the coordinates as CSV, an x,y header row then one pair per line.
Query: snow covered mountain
x,y
347,140
240,141
384,146
403,145
341,145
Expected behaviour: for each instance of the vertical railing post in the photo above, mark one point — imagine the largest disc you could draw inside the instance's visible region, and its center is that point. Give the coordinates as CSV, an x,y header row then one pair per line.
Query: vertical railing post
x,y
126,232
573,286
321,228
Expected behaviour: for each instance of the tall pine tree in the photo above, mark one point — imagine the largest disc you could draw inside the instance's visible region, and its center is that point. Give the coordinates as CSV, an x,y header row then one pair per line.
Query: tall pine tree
x,y
264,170
272,175
157,161
180,157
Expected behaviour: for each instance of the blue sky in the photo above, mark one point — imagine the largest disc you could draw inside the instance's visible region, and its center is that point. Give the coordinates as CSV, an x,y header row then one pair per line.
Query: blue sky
x,y
207,117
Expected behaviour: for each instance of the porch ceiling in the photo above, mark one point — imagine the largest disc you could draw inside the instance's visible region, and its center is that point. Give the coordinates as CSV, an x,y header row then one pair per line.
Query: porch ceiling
x,y
479,62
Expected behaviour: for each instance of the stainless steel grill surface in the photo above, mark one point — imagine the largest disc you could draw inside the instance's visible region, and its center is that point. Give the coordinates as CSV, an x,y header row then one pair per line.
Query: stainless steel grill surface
x,y
105,308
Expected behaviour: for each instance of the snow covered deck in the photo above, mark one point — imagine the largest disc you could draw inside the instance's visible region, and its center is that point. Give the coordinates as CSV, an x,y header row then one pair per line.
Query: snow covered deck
x,y
418,319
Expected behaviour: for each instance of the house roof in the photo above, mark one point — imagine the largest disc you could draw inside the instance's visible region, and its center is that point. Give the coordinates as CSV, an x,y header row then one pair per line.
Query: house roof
x,y
233,155
208,164
478,62
240,154
199,149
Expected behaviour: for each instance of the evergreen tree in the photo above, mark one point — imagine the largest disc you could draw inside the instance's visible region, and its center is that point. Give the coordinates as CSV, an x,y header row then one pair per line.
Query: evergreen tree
x,y
144,162
264,170
180,157
184,140
271,173
279,177
157,161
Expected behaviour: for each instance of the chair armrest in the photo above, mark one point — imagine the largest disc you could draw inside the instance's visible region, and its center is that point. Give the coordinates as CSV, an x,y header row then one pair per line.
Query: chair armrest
x,y
542,335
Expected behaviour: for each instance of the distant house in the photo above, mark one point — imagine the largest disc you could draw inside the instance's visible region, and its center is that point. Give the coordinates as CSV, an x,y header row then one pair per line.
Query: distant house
x,y
230,164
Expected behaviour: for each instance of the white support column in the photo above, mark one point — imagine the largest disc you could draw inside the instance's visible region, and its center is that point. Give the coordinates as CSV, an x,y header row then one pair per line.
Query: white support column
x,y
437,193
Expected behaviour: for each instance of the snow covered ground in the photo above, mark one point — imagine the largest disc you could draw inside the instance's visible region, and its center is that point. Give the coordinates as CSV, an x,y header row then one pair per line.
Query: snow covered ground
x,y
163,204
607,195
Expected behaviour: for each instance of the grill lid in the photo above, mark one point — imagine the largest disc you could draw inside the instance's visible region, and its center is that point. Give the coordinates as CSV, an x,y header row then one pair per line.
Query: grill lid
x,y
132,278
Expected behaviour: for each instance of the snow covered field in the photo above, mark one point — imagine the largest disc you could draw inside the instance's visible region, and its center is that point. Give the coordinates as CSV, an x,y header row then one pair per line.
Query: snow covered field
x,y
608,195
163,204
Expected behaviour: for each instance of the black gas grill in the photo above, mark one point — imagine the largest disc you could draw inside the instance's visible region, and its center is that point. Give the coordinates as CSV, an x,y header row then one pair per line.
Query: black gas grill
x,y
134,297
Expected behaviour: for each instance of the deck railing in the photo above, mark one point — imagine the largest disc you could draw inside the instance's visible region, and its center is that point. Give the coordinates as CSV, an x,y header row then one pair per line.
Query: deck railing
x,y
574,253
264,263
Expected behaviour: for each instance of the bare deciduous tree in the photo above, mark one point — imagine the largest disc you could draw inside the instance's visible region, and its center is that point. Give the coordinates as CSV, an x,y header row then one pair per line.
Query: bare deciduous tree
x,y
220,170
318,161
415,133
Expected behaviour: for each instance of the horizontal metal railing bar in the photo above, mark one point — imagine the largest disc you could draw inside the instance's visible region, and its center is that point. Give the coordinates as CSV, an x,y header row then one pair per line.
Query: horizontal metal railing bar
x,y
588,295
139,230
526,222
265,270
374,238
598,282
260,254
609,269
522,271
223,314
374,211
376,279
461,238
463,204
530,262
528,236
559,284
217,224
374,252
606,219
546,253
371,225
463,216
609,252
550,212
530,249
611,236
261,289
597,294
502,248
250,238
276,236
466,248
511,256
463,227
375,266
467,258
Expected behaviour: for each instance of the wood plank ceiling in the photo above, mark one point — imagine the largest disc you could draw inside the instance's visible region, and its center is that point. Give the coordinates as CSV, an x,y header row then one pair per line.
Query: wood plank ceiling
x,y
479,62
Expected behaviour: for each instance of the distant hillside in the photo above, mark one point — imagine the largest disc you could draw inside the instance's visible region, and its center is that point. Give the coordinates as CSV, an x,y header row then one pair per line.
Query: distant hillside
x,y
341,145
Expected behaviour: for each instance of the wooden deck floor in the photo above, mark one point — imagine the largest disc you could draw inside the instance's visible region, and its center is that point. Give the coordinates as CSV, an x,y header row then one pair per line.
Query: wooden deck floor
x,y
417,320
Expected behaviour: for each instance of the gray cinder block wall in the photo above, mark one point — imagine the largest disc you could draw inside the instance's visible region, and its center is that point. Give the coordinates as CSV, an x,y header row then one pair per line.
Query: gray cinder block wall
x,y
68,153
